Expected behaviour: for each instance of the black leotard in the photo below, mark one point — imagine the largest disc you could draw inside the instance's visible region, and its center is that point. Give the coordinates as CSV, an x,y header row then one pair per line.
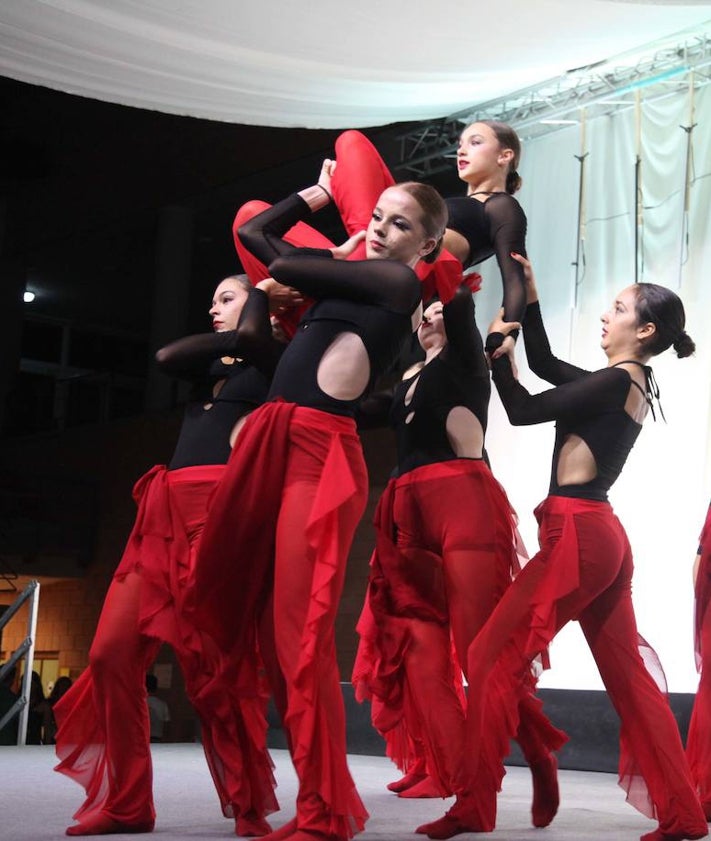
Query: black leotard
x,y
496,226
457,376
588,404
373,298
222,393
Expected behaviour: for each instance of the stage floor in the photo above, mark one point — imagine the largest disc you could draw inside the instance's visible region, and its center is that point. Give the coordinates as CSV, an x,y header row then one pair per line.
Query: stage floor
x,y
38,803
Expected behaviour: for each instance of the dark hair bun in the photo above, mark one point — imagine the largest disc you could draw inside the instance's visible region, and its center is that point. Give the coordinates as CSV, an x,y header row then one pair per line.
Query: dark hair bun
x,y
513,182
684,345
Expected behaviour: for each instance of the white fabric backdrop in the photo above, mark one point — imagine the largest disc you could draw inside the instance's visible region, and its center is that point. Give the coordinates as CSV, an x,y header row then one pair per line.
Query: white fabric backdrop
x,y
320,64
665,488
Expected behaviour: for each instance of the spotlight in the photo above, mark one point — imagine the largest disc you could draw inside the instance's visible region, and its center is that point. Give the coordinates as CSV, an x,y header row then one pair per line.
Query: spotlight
x,y
28,296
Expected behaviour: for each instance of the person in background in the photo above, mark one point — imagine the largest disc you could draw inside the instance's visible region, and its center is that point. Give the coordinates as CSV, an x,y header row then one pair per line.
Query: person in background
x,y
158,711
8,699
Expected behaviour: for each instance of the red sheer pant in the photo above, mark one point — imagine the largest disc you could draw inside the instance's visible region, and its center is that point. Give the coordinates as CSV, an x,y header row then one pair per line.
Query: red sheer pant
x,y
476,552
322,502
583,571
104,732
698,746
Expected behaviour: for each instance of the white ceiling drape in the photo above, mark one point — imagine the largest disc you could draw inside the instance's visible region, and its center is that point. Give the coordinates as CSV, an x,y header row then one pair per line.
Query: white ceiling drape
x,y
323,64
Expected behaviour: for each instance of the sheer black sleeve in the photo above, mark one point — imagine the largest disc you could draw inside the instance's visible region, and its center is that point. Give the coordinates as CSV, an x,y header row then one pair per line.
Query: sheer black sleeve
x,y
507,223
262,235
595,393
386,283
538,351
190,357
463,337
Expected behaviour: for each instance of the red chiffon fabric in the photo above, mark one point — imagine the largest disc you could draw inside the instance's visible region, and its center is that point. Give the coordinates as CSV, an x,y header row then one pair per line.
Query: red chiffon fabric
x,y
284,525
103,735
583,571
359,179
445,554
698,744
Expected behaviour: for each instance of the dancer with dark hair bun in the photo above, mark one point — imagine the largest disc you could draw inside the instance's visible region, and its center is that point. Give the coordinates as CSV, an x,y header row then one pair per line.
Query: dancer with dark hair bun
x,y
583,570
698,743
487,222
285,527
445,554
103,736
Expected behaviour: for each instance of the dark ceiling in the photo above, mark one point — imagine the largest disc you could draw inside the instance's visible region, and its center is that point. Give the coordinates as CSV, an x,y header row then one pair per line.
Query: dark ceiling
x,y
82,187
85,180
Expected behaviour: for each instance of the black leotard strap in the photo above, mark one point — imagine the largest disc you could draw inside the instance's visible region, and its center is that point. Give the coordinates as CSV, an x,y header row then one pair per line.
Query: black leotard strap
x,y
651,390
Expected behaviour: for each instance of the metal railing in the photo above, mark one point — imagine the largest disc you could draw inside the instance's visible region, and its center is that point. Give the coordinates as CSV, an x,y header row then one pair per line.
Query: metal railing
x,y
25,649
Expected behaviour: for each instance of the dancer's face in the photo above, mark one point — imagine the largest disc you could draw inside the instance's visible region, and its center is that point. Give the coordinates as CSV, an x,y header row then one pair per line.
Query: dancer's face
x,y
480,155
431,330
621,329
230,296
395,231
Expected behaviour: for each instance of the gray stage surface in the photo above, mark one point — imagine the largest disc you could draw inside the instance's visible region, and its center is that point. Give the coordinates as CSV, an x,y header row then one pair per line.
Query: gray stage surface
x,y
37,803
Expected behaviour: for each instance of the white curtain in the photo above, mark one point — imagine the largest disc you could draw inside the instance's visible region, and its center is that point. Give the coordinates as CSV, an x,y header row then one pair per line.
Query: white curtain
x,y
665,488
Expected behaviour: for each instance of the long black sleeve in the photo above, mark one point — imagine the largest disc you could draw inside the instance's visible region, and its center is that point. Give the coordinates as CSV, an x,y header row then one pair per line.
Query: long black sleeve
x,y
385,283
314,271
262,235
463,337
538,351
189,357
591,394
507,223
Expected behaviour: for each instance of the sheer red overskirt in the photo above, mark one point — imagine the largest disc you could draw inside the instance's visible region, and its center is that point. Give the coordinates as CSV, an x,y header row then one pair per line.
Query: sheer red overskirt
x,y
285,529
445,554
698,744
583,571
103,736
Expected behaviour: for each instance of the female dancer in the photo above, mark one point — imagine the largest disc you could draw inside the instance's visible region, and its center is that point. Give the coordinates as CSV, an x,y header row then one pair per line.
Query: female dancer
x,y
583,570
445,554
103,736
487,221
698,743
294,519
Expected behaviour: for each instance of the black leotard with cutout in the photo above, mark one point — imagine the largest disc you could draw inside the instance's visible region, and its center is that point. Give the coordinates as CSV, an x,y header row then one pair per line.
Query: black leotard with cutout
x,y
222,393
590,405
457,376
375,299
494,227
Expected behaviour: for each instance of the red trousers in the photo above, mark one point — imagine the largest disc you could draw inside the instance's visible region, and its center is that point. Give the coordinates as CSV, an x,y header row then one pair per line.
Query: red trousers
x,y
285,528
103,735
698,744
583,571
444,557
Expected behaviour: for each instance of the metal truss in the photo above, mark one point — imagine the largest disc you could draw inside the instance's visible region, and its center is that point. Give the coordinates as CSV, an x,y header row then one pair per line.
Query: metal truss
x,y
603,88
